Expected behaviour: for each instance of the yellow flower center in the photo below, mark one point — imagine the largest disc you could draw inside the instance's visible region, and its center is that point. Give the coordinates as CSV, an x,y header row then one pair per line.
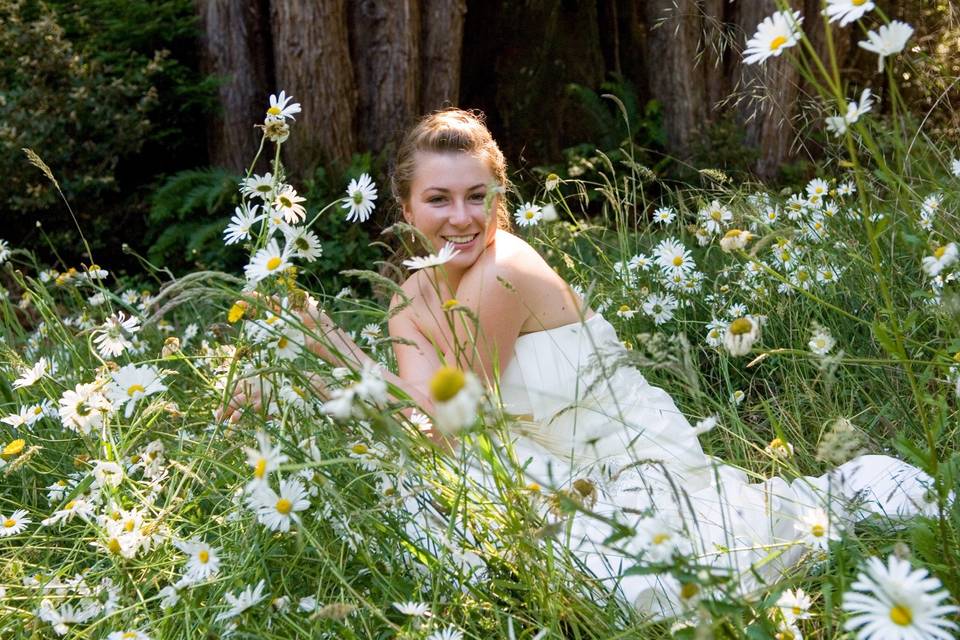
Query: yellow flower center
x,y
260,469
771,215
450,304
716,215
273,111
689,590
203,556
236,311
446,383
677,261
129,635
858,3
534,487
777,42
15,447
273,263
529,214
285,202
114,545
37,410
70,505
803,276
901,615
284,506
660,538
938,253
741,326
624,308
359,448
282,342
796,610
818,530
134,388
9,522
129,525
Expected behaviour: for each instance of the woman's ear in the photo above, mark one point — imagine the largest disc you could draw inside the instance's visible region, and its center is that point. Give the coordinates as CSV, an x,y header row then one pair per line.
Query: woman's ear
x,y
407,214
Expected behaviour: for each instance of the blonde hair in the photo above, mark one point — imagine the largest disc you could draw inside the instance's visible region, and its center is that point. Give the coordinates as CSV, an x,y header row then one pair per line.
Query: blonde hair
x,y
450,131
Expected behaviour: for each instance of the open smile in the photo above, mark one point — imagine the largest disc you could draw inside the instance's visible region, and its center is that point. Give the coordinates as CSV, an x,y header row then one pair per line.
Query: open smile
x,y
460,240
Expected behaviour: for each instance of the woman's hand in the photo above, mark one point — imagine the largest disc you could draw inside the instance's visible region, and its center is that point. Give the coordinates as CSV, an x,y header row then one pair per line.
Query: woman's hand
x,y
245,396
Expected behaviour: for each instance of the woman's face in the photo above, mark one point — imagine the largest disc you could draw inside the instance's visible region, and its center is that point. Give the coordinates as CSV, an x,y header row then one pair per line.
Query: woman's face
x,y
446,203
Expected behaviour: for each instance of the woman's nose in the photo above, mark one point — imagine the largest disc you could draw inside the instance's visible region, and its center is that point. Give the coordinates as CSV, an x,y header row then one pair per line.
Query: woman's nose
x,y
458,213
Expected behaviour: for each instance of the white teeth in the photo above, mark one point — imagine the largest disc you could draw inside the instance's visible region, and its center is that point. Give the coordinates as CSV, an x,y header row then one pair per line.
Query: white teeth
x,y
460,239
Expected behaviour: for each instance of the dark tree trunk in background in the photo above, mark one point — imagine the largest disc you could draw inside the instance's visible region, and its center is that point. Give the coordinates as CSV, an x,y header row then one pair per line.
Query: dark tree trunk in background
x,y
385,49
440,52
311,54
235,48
677,81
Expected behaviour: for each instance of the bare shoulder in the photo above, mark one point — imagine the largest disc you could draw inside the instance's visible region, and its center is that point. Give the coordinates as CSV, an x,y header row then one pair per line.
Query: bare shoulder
x,y
514,263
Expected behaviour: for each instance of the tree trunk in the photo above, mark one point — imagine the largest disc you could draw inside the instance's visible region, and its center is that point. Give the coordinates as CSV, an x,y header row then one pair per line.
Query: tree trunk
x,y
440,53
675,80
771,89
311,55
235,47
384,44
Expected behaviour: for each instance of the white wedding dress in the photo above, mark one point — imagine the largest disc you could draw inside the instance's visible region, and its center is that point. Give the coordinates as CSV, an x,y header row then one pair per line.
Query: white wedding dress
x,y
582,413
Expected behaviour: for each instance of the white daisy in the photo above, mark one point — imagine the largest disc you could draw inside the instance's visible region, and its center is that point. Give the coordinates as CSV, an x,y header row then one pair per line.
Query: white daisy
x,y
527,214
303,243
821,342
664,215
132,382
264,459
715,216
267,262
776,33
415,609
203,561
13,524
794,605
716,329
660,307
78,507
258,187
111,336
846,11
359,202
626,312
276,511
287,203
816,529
942,257
65,615
83,408
888,40
280,107
128,635
955,167
741,334
659,539
239,603
673,257
446,253
30,375
456,397
447,633
896,602
4,251
240,224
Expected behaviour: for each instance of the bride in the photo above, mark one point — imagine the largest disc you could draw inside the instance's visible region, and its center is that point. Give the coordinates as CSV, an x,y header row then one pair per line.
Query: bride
x,y
585,423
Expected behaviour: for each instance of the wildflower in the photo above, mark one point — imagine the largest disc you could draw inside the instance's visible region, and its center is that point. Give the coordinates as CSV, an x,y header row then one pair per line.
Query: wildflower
x,y
276,130
258,187
415,609
816,529
4,250
78,507
279,107
896,601
111,336
288,204
822,342
360,196
659,540
716,329
267,262
626,312
107,473
264,459
779,448
942,257
276,511
203,561
83,408
240,224
735,239
132,382
372,387
794,605
307,604
13,524
776,33
527,215
955,167
128,635
888,40
931,204
371,333
664,215
660,307
247,598
737,396
442,257
64,615
741,334
846,11
838,124
706,425
715,216
447,633
673,257
549,213
456,395
640,262
30,375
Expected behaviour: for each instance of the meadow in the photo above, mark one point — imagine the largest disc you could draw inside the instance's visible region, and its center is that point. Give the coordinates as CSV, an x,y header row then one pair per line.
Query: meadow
x,y
796,330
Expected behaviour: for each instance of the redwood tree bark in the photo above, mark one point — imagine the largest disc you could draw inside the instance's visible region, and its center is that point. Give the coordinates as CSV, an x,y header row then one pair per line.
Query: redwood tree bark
x,y
385,48
235,47
311,55
440,53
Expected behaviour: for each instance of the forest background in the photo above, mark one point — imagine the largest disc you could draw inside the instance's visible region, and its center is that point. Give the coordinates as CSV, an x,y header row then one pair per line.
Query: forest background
x,y
144,108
